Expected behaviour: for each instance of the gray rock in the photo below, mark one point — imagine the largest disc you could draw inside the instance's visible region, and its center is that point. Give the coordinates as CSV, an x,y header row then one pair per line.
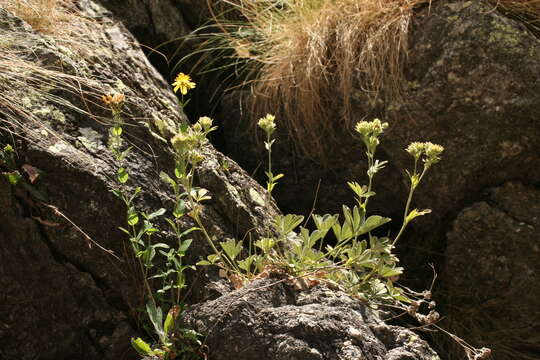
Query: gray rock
x,y
492,270
270,319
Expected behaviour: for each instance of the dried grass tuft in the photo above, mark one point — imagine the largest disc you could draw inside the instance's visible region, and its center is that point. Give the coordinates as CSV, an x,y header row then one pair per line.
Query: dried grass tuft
x,y
45,16
305,59
526,11
311,55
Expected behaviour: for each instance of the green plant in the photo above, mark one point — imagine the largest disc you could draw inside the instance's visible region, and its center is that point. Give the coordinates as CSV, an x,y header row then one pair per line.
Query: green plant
x,y
366,267
7,161
172,341
358,262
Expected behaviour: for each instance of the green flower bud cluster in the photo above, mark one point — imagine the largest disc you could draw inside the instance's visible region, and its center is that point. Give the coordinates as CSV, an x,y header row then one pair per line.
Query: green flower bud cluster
x,y
370,132
268,124
188,141
430,151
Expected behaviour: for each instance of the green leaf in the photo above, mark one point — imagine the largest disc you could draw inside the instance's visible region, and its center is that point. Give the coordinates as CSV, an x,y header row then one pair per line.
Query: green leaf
x,y
13,177
265,244
137,191
156,318
118,194
141,346
184,246
246,263
231,248
161,246
325,222
116,130
389,272
122,175
169,322
286,224
166,178
371,223
415,213
132,217
179,209
212,259
157,213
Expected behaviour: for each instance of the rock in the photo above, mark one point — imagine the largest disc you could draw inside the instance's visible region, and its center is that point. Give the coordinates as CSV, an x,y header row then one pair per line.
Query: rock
x,y
269,319
151,22
62,295
491,268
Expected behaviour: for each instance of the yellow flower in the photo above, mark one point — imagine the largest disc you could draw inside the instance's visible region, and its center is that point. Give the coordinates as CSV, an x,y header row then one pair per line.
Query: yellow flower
x,y
114,100
184,83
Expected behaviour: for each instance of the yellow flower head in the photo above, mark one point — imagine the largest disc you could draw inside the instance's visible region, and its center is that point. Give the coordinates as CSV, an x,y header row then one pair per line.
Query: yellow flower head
x,y
184,83
114,100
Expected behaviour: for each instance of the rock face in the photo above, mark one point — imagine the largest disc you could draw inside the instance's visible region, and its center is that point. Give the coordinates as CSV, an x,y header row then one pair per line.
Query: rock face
x,y
269,319
492,264
62,296
469,87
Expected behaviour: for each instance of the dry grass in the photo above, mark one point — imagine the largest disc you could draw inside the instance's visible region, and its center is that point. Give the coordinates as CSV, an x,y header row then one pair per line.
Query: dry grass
x,y
310,55
305,59
45,16
527,11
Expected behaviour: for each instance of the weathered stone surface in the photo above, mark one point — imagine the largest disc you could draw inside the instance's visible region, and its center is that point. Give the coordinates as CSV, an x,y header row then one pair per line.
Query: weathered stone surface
x,y
492,269
62,296
269,319
151,22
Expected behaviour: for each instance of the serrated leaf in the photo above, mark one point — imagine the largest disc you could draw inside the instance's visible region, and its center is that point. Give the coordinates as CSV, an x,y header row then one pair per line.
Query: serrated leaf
x,y
231,248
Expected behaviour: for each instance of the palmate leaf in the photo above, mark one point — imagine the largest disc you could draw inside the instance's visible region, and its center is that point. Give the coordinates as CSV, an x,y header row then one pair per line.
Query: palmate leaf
x,y
231,248
286,224
265,244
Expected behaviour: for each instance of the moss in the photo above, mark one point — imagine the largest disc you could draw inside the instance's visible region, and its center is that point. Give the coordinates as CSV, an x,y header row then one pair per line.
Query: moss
x,y
47,111
505,35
